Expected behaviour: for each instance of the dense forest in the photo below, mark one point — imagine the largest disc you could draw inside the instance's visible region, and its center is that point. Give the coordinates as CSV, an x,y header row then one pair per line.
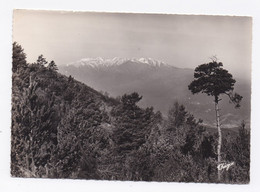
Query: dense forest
x,y
62,128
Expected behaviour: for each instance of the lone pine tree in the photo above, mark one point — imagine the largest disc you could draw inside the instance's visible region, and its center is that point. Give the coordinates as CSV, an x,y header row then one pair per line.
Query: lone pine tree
x,y
212,79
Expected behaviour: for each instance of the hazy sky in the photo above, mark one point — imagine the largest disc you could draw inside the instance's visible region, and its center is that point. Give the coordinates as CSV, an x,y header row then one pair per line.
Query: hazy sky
x,y
182,41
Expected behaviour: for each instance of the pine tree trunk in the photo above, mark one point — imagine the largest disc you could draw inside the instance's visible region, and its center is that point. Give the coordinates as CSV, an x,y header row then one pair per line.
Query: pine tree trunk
x,y
219,135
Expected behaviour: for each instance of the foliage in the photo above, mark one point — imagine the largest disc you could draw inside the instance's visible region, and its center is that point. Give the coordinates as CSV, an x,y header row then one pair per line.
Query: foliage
x,y
132,123
237,149
52,66
213,80
62,128
19,57
41,61
176,116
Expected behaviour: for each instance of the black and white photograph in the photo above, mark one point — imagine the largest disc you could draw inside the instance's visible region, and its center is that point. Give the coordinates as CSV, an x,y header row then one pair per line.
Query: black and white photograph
x,y
131,96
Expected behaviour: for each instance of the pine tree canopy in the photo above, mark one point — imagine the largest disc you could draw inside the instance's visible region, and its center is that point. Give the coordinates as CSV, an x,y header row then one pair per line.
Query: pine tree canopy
x,y
19,57
212,79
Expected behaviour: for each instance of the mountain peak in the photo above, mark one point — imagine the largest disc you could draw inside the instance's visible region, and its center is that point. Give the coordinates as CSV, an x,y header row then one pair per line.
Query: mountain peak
x,y
152,62
101,62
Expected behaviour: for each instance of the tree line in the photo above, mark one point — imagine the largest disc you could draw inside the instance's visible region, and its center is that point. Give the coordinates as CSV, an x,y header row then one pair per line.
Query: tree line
x,y
61,128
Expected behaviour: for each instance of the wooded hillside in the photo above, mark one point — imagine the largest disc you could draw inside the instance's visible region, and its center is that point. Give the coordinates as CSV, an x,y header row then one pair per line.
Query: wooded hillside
x,y
62,128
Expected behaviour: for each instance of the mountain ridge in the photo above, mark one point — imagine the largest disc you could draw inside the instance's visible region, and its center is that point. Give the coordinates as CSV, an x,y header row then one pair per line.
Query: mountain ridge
x,y
62,128
160,84
107,62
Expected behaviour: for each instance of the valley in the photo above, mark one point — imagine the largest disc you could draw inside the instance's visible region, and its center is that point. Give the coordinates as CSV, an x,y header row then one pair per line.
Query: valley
x,y
160,84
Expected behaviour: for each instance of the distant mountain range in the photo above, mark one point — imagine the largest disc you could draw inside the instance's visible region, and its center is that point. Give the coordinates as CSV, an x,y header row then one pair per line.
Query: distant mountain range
x,y
100,63
159,83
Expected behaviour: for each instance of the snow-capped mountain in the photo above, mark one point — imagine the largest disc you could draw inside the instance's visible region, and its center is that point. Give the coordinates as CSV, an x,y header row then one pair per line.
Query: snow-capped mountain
x,y
101,62
152,62
159,83
97,62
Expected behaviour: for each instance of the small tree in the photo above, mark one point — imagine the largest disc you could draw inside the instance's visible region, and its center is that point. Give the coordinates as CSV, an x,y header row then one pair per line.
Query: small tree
x,y
52,66
176,116
212,79
19,57
41,61
133,124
